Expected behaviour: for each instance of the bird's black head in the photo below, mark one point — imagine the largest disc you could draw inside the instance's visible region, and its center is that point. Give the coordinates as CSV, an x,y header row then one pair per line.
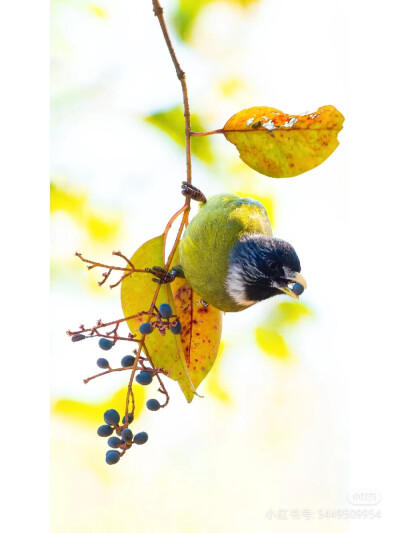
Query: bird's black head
x,y
260,267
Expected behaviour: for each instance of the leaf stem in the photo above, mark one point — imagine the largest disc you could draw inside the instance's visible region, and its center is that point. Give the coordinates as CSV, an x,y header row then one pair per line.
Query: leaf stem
x,y
222,130
205,133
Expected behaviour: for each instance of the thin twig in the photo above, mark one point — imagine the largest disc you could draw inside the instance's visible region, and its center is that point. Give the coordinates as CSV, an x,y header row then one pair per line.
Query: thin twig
x,y
178,237
173,218
158,12
162,388
101,324
94,264
135,364
120,254
85,381
138,363
106,275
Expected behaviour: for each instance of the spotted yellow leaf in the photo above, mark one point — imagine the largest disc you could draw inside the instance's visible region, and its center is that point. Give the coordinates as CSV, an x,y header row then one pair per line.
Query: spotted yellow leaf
x,y
201,329
137,291
280,145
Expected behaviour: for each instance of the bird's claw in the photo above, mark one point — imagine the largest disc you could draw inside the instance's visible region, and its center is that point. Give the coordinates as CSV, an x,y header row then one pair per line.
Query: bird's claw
x,y
192,192
162,275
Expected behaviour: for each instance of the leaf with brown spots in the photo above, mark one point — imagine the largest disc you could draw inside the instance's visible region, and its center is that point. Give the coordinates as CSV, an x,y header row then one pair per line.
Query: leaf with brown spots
x,y
137,291
201,329
280,145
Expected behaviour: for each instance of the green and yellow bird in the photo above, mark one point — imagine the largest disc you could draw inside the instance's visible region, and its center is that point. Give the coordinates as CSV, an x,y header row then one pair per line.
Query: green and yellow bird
x,y
229,256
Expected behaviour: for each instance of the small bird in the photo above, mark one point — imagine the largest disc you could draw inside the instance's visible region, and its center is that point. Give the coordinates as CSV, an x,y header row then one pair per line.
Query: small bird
x,y
229,256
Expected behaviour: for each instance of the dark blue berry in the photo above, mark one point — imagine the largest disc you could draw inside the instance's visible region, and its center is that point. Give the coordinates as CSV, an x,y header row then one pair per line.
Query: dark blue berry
x,y
146,328
114,442
103,363
153,405
111,416
78,337
130,419
298,289
127,360
112,457
144,378
127,435
105,344
176,329
141,438
165,310
104,431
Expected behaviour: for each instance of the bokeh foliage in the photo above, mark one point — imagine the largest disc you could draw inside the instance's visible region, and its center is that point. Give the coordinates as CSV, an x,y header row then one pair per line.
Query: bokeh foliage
x,y
187,11
98,225
172,122
284,316
92,413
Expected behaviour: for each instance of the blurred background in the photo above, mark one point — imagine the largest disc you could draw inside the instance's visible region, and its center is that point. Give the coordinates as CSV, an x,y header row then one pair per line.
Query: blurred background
x,y
270,438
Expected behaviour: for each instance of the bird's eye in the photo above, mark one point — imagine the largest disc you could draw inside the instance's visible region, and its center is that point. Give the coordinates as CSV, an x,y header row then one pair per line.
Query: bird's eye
x,y
271,263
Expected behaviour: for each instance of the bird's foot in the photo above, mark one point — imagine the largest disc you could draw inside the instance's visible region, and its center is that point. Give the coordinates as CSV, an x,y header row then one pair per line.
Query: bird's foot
x,y
192,192
161,275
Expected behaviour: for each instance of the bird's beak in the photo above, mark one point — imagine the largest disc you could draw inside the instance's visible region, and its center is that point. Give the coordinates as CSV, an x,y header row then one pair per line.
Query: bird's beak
x,y
289,278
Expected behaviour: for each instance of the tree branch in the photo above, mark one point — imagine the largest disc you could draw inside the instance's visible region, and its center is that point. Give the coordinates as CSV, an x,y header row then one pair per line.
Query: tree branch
x,y
158,12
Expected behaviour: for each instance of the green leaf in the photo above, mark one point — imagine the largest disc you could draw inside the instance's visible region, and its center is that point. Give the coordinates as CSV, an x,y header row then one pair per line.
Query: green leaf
x,y
172,122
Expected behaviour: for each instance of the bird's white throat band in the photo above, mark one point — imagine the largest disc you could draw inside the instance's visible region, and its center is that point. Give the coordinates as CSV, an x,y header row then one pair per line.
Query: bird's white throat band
x,y
236,287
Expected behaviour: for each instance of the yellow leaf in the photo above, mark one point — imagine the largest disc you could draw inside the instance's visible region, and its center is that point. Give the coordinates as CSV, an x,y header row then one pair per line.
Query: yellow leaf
x,y
280,145
137,291
92,413
201,329
272,342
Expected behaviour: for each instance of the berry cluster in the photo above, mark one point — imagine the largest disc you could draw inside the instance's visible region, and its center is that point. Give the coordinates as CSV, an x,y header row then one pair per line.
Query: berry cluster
x,y
125,437
164,312
161,319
